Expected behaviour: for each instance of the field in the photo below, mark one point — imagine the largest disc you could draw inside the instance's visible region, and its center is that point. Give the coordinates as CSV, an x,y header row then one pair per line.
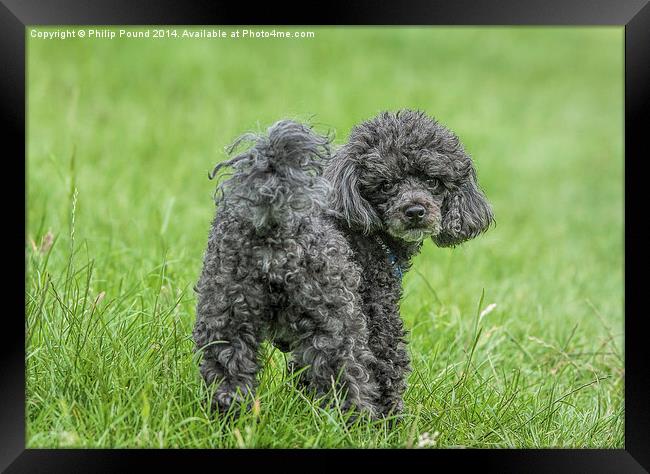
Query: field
x,y
122,134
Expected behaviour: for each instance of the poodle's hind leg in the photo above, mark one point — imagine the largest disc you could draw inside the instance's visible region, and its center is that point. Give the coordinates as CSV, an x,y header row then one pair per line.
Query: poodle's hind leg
x,y
391,372
332,349
392,361
329,365
229,334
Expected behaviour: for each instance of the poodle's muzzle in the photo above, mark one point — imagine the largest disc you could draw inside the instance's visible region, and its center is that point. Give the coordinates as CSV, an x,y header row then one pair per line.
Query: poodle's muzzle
x,y
414,215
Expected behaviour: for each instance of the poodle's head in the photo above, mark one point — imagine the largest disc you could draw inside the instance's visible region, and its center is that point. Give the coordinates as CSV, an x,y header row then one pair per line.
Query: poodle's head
x,y
407,175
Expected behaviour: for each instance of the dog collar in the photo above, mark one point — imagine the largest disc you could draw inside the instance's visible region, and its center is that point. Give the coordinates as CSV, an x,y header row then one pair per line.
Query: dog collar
x,y
392,259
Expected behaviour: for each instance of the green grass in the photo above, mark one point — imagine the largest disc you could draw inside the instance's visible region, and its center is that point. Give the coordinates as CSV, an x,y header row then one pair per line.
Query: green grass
x,y
121,135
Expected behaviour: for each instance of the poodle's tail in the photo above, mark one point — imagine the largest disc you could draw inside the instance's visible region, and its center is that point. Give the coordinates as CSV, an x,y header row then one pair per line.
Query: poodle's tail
x,y
278,179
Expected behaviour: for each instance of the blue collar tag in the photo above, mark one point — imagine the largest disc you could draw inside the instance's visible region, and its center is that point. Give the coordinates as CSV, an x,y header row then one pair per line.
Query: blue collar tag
x,y
392,259
397,270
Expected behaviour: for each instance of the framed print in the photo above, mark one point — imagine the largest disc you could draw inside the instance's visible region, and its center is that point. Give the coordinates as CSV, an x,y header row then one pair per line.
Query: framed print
x,y
379,234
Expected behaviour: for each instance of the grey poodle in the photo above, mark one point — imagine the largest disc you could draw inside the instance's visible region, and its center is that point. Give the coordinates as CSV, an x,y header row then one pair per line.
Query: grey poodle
x,y
308,251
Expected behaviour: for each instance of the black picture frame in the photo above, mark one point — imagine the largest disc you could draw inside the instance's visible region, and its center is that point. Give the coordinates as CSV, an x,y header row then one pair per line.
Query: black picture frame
x,y
634,15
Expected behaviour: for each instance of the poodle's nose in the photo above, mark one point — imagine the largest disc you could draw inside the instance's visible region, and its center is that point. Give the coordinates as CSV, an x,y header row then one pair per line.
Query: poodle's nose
x,y
415,212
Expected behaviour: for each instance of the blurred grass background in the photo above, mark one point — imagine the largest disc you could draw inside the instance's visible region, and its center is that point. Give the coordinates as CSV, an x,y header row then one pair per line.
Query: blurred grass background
x,y
122,133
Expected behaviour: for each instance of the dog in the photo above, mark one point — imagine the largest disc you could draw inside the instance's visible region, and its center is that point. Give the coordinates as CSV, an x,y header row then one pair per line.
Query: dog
x,y
308,249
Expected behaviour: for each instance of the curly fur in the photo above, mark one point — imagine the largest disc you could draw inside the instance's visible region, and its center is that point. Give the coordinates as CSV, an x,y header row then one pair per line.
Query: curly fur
x,y
276,269
303,252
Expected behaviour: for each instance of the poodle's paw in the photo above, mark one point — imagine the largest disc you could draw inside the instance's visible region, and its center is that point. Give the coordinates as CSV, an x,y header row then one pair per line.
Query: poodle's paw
x,y
351,410
393,414
393,420
227,401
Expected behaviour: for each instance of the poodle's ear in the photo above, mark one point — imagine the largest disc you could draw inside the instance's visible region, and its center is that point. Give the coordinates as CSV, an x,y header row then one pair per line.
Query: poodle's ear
x,y
465,213
346,199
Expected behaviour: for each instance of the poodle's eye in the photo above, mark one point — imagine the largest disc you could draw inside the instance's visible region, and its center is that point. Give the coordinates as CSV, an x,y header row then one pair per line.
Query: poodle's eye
x,y
434,182
388,187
